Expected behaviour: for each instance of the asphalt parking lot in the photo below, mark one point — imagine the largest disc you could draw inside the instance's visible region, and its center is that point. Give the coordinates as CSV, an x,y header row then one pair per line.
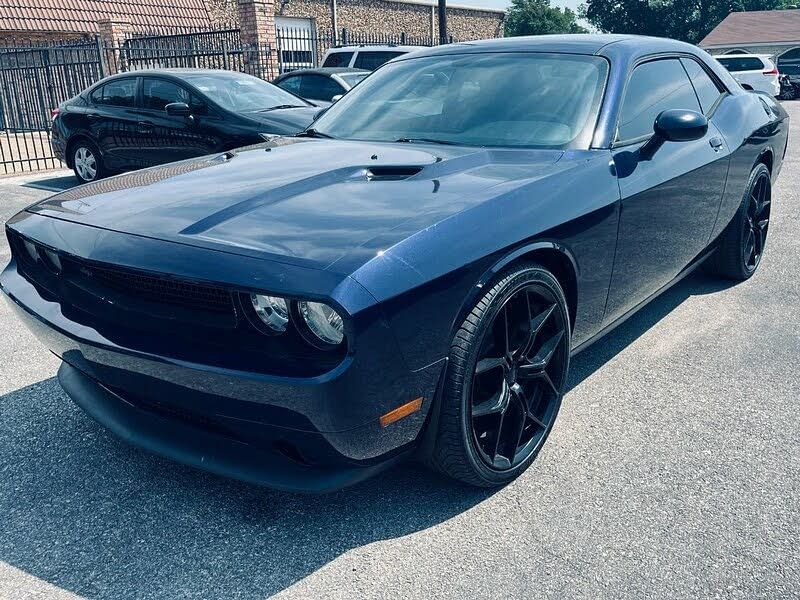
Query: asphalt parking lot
x,y
673,472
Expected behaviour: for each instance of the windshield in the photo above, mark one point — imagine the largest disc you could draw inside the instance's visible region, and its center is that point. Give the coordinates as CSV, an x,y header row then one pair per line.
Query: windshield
x,y
497,99
243,93
351,79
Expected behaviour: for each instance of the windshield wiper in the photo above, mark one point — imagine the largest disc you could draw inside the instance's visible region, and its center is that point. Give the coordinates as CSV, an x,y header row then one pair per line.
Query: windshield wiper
x,y
426,141
313,133
282,106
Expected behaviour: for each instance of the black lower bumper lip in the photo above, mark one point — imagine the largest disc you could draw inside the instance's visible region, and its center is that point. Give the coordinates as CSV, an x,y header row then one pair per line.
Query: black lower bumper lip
x,y
204,450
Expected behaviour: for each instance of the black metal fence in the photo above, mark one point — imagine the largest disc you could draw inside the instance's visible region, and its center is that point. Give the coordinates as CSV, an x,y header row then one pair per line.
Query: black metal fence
x,y
36,79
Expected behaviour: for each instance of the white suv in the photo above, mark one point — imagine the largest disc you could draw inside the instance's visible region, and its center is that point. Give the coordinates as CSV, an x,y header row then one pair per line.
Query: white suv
x,y
364,57
753,71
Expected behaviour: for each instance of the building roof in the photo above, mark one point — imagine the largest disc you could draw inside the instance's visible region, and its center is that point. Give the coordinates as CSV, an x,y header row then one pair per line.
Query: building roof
x,y
755,27
81,16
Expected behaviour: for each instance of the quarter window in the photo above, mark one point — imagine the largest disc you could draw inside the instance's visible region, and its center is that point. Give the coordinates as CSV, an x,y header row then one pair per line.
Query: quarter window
x,y
291,84
653,87
121,92
707,90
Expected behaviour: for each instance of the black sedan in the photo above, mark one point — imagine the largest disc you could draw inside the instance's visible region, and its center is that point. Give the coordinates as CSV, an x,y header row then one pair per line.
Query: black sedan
x,y
147,118
405,278
321,85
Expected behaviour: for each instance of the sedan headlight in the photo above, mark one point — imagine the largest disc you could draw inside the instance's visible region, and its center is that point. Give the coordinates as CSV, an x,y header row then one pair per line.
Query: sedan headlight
x,y
272,311
323,322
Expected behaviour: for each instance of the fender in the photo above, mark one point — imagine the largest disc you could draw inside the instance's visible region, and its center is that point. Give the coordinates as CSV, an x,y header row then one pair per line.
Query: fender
x,y
502,263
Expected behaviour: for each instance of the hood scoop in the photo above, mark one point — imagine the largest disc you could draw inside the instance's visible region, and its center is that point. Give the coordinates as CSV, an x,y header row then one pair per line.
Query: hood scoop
x,y
390,173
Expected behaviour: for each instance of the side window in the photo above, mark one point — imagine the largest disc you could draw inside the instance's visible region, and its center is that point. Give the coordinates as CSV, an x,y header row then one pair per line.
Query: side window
x,y
338,59
120,92
318,87
654,86
372,60
157,93
748,63
291,84
707,90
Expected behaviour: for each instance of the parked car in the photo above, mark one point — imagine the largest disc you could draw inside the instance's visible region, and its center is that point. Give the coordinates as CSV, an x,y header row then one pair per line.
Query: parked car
x,y
753,72
321,86
388,284
145,118
368,57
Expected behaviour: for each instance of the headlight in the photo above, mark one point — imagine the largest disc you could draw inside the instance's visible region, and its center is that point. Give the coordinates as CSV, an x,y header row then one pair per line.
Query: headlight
x,y
322,321
272,310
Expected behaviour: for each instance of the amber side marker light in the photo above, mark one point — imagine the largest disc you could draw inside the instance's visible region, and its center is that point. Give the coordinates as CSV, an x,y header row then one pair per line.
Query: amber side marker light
x,y
400,412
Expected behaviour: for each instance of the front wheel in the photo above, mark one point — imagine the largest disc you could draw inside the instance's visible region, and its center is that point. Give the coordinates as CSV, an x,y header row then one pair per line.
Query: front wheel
x,y
505,378
87,162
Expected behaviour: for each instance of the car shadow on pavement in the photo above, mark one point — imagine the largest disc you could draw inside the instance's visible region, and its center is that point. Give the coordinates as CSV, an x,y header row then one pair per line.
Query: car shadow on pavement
x,y
89,514
607,347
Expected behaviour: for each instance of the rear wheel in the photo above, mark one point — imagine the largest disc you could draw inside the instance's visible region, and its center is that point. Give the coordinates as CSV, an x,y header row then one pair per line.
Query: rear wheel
x,y
742,244
505,379
87,162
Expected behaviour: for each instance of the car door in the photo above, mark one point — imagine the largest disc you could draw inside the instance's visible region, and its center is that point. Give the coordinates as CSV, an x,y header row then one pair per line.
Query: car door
x,y
669,203
167,138
112,120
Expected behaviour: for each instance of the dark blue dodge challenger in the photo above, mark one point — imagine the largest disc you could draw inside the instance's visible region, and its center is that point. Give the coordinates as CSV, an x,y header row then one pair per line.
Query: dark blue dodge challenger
x,y
411,275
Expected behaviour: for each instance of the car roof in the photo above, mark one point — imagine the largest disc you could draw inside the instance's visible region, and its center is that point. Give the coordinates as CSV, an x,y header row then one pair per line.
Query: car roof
x,y
374,48
761,56
324,71
589,43
177,73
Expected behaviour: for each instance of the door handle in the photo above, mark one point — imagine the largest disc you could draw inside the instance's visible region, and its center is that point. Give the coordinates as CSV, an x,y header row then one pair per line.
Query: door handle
x,y
92,116
716,143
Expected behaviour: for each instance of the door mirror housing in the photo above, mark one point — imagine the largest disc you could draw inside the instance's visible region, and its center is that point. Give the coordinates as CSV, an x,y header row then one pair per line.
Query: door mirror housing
x,y
674,125
178,109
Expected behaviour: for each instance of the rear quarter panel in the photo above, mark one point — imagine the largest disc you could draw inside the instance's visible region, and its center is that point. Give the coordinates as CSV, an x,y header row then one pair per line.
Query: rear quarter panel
x,y
755,128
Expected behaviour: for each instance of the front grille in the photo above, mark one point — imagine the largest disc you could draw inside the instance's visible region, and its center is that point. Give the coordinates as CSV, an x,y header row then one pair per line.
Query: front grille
x,y
160,290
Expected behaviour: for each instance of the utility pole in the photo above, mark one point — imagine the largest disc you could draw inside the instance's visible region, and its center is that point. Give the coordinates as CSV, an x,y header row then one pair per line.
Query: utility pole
x,y
442,22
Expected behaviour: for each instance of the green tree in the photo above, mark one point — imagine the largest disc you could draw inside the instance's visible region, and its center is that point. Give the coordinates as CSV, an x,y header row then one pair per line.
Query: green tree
x,y
687,20
535,17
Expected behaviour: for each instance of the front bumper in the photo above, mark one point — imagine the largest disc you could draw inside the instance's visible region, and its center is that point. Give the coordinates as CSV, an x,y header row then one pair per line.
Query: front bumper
x,y
293,433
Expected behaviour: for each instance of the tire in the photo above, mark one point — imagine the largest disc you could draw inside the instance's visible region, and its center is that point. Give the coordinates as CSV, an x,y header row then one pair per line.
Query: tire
x,y
513,397
741,245
87,162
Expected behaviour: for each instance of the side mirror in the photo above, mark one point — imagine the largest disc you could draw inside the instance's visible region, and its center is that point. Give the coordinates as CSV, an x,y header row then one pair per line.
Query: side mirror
x,y
337,97
674,125
178,109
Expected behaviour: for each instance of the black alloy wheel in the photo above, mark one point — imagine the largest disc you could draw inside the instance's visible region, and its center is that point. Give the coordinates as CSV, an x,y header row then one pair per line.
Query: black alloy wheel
x,y
506,377
756,224
741,246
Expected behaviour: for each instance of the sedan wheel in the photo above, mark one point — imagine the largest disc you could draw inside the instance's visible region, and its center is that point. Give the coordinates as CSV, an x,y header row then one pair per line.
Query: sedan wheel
x,y
506,376
86,163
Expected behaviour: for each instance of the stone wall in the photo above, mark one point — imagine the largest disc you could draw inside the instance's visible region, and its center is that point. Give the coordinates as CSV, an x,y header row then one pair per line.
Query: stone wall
x,y
27,38
380,17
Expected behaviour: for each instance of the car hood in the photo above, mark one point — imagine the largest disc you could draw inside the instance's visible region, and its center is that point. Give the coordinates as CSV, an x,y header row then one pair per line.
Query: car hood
x,y
325,204
286,120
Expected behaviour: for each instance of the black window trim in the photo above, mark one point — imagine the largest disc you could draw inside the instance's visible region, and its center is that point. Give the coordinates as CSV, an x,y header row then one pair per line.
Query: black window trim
x,y
666,56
